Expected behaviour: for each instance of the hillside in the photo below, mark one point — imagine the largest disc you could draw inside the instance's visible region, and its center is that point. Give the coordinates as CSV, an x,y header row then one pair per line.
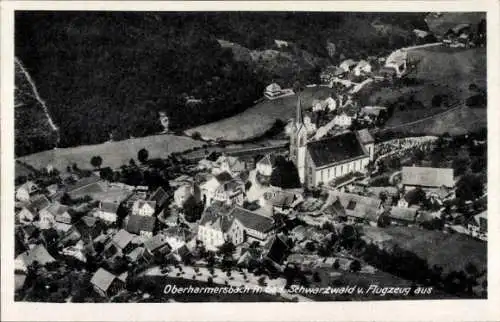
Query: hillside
x,y
440,23
109,74
34,126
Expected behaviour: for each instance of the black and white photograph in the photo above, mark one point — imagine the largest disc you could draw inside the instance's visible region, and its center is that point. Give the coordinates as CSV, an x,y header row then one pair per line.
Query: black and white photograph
x,y
167,156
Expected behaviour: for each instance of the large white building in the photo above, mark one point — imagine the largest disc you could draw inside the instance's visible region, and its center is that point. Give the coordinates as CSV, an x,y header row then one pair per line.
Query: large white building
x,y
323,160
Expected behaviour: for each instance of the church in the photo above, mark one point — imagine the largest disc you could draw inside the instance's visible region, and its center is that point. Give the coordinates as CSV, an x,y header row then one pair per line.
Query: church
x,y
320,161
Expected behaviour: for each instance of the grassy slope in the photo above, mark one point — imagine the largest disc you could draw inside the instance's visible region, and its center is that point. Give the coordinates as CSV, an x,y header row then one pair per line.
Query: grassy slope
x,y
256,120
114,154
450,251
444,70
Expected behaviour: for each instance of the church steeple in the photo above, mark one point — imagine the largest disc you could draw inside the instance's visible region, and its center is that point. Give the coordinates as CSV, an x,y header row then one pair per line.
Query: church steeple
x,y
299,119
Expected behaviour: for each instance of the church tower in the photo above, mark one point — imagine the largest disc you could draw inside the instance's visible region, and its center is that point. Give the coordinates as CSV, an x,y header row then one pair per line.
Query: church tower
x,y
298,142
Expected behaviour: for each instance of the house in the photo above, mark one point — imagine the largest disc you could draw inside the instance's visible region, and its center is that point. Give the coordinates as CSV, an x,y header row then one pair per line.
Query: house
x,y
141,225
155,246
427,177
229,164
144,208
136,255
347,65
27,214
265,166
119,245
223,187
186,191
105,283
342,120
249,225
279,201
362,68
397,61
403,216
335,210
213,225
331,72
24,191
76,251
177,237
63,222
478,226
107,211
160,197
318,105
276,249
38,253
328,158
358,209
49,214
89,228
273,90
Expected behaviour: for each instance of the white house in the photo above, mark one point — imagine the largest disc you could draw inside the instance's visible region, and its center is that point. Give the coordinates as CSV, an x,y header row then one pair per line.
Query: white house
x,y
143,208
49,214
362,68
186,191
272,91
27,214
223,187
24,191
342,120
265,165
347,65
107,211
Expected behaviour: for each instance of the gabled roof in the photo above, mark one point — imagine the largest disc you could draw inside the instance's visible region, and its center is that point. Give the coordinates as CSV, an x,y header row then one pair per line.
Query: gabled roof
x,y
252,220
358,206
428,177
122,238
365,137
82,183
142,203
160,196
39,253
102,279
38,203
178,232
276,249
64,218
403,213
109,207
273,88
136,224
57,209
335,209
212,214
155,242
279,198
136,254
336,149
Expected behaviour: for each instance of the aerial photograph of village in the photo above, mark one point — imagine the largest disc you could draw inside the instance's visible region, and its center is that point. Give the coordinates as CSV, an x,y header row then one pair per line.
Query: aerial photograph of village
x,y
250,156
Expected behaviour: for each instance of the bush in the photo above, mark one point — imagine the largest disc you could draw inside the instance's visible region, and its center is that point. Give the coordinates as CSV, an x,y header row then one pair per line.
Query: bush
x,y
196,135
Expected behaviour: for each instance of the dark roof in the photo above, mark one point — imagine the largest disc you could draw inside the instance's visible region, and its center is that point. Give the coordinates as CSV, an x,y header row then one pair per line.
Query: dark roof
x,y
136,224
276,249
155,242
160,196
223,177
213,212
252,220
109,207
268,159
335,149
39,203
335,209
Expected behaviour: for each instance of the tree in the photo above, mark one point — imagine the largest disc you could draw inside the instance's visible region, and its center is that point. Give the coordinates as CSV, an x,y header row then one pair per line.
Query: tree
x,y
469,187
143,155
131,162
192,209
355,266
285,174
96,161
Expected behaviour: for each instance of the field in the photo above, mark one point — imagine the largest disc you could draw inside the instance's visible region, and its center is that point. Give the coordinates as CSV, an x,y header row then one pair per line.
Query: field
x,y
258,119
450,251
444,71
114,154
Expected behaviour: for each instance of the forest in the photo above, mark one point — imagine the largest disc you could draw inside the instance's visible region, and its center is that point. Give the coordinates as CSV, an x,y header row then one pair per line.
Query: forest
x,y
107,75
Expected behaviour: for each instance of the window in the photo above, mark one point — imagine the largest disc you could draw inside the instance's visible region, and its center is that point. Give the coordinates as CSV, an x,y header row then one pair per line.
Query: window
x,y
335,171
341,169
328,173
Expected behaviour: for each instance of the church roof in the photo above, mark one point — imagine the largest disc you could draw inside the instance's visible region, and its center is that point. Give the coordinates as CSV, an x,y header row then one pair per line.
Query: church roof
x,y
335,149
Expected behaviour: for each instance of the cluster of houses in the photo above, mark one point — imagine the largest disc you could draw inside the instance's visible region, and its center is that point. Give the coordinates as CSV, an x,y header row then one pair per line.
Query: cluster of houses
x,y
224,199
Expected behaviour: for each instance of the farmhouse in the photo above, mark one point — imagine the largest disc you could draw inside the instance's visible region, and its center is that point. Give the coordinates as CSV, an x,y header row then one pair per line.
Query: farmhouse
x,y
426,177
37,254
141,225
49,214
478,226
358,209
223,187
107,211
326,159
144,208
106,283
24,191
